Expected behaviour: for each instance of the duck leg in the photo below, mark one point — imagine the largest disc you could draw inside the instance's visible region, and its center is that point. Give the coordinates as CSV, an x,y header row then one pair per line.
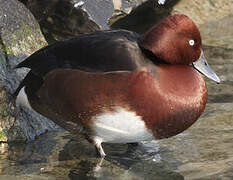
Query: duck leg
x,y
97,142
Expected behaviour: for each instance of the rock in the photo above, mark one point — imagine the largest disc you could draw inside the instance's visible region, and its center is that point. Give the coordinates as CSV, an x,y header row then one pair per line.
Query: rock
x,y
66,18
204,11
20,36
143,16
215,33
212,17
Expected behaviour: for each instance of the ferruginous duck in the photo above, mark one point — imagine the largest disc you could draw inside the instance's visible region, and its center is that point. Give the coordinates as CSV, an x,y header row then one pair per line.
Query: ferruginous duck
x,y
118,86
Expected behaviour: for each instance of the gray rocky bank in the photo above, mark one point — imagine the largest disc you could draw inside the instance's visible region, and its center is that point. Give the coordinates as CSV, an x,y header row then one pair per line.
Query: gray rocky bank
x,y
20,36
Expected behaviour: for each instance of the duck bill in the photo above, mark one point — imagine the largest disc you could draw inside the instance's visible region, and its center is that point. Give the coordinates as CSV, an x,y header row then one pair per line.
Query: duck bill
x,y
203,67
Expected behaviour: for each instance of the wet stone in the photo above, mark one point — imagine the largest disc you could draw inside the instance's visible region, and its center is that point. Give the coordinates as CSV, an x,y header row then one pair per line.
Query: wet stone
x,y
20,36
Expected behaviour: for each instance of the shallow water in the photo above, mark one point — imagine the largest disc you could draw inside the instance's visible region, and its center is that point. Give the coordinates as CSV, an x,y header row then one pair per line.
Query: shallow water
x,y
205,151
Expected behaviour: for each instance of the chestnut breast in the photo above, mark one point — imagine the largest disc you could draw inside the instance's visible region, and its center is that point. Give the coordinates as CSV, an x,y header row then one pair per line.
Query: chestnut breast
x,y
169,101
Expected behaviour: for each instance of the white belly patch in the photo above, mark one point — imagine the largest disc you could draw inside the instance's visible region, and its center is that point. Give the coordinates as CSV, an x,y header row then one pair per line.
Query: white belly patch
x,y
120,126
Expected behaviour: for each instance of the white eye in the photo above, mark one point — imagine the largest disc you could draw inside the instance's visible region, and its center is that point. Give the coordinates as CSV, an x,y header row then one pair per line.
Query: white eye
x,y
191,42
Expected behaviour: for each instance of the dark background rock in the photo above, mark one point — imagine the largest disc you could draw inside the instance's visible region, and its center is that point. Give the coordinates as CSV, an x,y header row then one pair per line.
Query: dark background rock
x,y
144,16
20,36
61,19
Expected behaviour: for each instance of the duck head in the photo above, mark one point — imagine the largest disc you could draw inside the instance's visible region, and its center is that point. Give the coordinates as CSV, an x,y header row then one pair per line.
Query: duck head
x,y
177,41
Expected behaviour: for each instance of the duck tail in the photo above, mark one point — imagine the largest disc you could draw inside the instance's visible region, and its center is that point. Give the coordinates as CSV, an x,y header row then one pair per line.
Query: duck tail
x,y
30,80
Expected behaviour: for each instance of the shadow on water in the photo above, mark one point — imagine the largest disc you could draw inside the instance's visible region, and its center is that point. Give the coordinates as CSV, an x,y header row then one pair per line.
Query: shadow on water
x,y
123,161
65,156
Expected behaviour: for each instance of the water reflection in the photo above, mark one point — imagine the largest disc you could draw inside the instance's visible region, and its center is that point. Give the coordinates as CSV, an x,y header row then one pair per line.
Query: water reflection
x,y
62,155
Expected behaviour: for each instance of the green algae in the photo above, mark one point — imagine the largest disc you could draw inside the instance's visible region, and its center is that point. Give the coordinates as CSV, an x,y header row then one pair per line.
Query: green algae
x,y
3,138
